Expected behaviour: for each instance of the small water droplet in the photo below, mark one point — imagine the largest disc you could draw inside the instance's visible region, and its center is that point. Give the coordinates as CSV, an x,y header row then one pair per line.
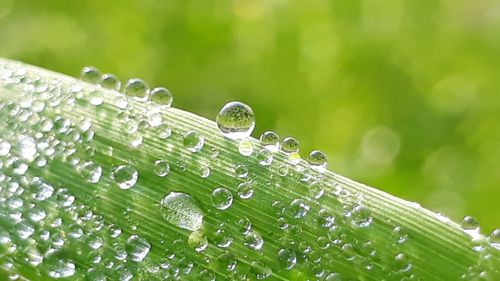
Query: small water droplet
x,y
299,208
4,147
110,81
181,210
241,171
162,168
197,241
90,74
287,258
137,88
222,198
245,190
260,270
270,140
290,145
162,96
471,226
265,157
361,216
137,248
253,240
125,176
91,172
193,142
494,238
236,120
317,160
245,148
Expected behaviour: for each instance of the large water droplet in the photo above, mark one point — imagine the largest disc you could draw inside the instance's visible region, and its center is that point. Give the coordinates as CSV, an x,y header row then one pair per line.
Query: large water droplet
x,y
222,198
181,210
137,248
193,142
162,96
137,88
236,120
125,176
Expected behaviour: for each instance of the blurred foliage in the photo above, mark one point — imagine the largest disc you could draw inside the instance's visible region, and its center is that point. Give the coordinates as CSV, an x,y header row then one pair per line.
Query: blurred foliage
x,y
402,95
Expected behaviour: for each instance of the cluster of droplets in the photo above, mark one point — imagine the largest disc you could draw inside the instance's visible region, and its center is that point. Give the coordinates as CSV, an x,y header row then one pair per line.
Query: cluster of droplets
x,y
308,231
135,87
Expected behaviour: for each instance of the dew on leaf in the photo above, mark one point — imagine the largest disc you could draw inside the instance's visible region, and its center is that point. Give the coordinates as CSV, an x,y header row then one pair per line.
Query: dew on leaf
x,y
161,96
124,176
236,120
181,210
222,198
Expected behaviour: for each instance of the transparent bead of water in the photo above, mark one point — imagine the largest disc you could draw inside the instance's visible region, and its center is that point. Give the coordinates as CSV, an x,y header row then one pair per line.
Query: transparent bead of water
x,y
180,209
270,140
317,160
137,248
253,240
494,238
137,88
197,241
236,120
287,259
222,198
245,148
4,147
471,226
90,74
193,142
290,145
162,96
241,171
125,176
245,190
110,81
162,168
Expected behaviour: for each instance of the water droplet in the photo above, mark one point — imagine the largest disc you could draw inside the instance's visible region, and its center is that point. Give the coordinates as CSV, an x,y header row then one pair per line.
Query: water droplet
x,y
91,172
236,120
317,160
221,239
162,168
193,142
265,157
62,269
110,81
181,210
471,226
164,131
245,190
4,147
197,241
270,140
253,240
290,145
299,208
494,238
137,248
137,88
125,176
162,96
96,97
287,258
245,148
222,198
260,270
90,74
361,216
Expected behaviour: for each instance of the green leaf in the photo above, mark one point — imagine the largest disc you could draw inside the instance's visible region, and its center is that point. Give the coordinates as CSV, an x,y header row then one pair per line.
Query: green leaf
x,y
96,185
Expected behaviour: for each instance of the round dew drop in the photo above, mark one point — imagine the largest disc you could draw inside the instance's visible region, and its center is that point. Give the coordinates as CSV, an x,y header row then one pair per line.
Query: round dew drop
x,y
222,198
245,148
137,248
162,168
236,120
193,142
197,241
137,88
317,160
125,176
290,145
162,96
270,140
90,74
110,81
181,210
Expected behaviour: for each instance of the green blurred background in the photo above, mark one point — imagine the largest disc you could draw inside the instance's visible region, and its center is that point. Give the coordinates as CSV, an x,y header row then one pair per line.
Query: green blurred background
x,y
401,94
